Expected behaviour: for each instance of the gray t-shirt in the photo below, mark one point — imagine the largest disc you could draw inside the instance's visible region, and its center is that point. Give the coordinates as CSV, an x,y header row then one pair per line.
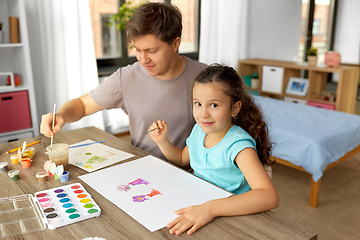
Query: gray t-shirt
x,y
146,99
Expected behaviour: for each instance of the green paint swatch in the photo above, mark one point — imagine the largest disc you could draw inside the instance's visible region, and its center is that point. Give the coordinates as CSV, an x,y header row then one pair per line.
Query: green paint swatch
x,y
89,205
93,210
71,210
76,215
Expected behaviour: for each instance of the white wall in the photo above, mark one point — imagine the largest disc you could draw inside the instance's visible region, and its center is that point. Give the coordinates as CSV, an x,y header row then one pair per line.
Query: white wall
x,y
347,35
274,30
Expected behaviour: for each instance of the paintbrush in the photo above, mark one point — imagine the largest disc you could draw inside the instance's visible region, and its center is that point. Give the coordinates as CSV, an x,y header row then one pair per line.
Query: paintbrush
x,y
152,130
53,124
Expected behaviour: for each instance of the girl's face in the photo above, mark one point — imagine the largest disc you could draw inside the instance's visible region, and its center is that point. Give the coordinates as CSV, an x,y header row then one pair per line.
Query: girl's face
x,y
212,108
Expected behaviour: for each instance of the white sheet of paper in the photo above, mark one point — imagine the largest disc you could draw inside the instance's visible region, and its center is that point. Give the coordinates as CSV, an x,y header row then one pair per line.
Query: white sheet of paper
x,y
95,156
178,189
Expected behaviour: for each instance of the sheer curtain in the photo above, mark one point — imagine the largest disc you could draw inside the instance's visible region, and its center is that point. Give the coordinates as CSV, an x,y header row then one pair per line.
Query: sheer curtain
x,y
224,31
62,54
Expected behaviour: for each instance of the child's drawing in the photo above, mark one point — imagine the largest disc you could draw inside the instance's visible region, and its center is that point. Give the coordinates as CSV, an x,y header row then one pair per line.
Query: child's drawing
x,y
137,198
126,187
142,198
153,193
138,182
96,156
168,188
123,187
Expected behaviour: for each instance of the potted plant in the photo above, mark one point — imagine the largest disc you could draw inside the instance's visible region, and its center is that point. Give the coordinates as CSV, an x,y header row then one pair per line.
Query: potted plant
x,y
311,55
255,81
121,18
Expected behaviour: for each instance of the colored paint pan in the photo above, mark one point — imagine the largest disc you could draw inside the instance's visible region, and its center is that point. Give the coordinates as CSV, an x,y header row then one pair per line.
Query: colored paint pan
x,y
81,196
66,205
41,195
64,200
59,190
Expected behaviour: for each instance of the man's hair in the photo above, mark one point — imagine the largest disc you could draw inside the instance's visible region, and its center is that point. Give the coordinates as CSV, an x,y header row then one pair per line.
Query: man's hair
x,y
160,19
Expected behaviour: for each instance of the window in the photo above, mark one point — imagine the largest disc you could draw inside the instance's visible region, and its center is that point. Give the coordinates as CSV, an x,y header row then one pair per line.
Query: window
x,y
110,45
317,27
111,51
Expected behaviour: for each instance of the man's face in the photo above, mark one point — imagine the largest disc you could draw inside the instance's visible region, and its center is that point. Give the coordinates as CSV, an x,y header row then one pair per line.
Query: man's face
x,y
155,55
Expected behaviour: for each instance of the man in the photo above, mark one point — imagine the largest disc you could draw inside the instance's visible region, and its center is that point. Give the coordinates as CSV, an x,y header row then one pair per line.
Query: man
x,y
158,86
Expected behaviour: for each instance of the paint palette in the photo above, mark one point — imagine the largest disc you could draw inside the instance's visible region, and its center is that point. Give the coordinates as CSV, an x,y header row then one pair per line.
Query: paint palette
x,y
54,207
66,205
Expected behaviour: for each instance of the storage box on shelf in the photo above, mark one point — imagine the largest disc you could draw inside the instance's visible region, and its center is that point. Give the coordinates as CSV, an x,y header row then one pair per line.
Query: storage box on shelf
x,y
317,78
17,103
321,105
295,100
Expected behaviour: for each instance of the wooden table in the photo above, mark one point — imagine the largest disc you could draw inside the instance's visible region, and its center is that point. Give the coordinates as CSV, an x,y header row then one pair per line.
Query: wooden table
x,y
113,223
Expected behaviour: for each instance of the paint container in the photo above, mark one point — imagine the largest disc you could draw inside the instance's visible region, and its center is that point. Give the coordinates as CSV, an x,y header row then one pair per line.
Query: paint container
x,y
63,205
14,175
65,177
14,159
59,154
3,167
56,177
42,176
26,162
29,152
52,169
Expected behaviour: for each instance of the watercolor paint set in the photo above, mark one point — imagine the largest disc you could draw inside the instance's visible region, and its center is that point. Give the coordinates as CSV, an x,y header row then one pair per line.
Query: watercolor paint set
x,y
54,207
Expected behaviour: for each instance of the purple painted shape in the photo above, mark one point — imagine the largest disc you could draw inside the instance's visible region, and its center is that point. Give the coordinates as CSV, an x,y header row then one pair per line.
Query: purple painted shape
x,y
140,198
138,182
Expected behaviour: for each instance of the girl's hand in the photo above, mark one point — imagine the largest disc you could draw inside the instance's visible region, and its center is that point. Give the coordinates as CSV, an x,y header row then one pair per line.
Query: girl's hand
x,y
192,217
159,134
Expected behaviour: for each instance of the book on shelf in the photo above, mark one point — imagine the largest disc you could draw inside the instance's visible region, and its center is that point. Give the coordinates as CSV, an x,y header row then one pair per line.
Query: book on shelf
x,y
14,29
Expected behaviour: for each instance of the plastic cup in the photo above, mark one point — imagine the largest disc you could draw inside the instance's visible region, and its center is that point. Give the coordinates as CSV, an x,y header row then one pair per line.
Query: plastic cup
x,y
26,162
42,176
14,159
59,154
14,175
65,177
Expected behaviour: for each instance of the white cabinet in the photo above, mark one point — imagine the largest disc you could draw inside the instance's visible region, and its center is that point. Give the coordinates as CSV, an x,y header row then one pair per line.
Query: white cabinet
x,y
15,58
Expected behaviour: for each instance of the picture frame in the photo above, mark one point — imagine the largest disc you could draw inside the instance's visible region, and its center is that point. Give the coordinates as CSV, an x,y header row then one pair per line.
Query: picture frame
x,y
297,86
4,80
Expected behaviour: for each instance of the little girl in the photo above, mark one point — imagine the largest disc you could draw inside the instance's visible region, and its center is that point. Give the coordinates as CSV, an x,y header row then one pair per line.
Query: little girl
x,y
228,146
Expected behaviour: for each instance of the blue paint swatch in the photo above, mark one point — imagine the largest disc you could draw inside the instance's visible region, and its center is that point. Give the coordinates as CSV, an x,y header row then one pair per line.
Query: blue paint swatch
x,y
61,195
67,205
65,200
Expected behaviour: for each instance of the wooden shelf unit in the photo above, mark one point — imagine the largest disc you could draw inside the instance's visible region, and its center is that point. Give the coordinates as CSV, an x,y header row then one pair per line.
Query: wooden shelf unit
x,y
317,77
15,58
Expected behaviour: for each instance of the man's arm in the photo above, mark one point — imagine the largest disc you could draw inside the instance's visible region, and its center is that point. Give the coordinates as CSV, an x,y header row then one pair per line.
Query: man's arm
x,y
71,111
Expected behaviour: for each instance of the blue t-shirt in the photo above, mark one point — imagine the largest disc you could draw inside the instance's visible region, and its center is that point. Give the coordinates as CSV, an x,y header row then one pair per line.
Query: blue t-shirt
x,y
217,164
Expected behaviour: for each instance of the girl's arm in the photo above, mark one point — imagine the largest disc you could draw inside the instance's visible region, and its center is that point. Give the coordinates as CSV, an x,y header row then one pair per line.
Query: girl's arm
x,y
176,155
262,197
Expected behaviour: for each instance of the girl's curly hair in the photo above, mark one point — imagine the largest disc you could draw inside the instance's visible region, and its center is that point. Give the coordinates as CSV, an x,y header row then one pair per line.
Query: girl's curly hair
x,y
249,117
